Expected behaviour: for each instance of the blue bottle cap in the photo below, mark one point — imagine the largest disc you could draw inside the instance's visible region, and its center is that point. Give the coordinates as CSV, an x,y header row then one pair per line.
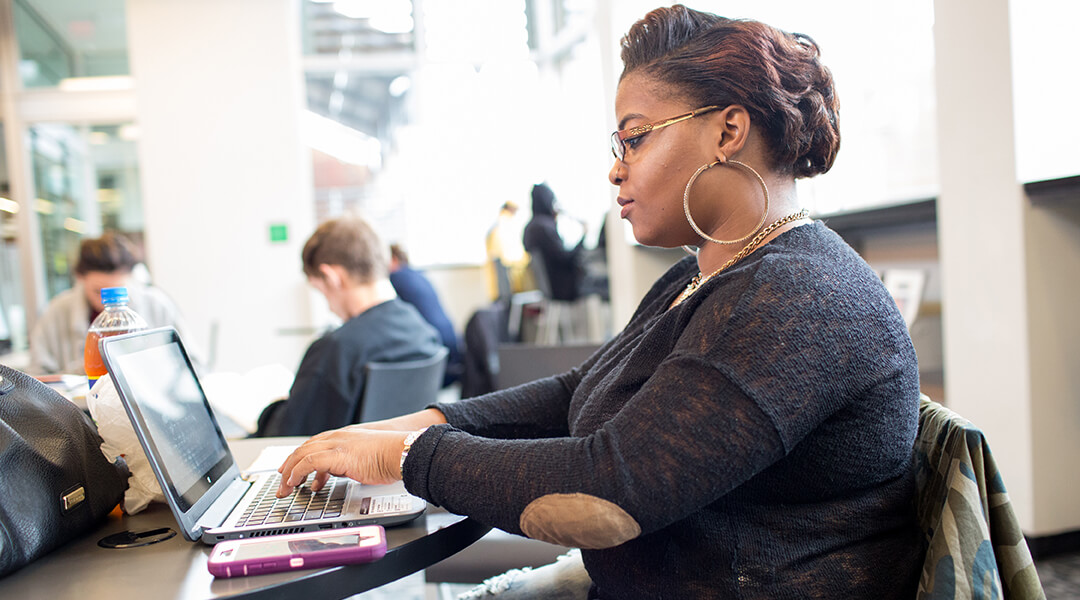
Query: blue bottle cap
x,y
114,295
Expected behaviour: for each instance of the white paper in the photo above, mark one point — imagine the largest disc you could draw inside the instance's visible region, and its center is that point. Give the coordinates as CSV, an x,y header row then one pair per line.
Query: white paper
x,y
269,459
242,397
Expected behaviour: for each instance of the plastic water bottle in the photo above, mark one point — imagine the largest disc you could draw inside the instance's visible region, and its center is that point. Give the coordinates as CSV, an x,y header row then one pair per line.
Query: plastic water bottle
x,y
117,318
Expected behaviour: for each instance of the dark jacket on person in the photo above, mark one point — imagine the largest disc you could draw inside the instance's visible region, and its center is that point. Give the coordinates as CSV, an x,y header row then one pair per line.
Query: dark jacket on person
x,y
329,384
541,237
412,287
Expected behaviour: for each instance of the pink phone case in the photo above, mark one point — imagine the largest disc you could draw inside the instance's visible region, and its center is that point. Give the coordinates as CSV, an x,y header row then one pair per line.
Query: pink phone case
x,y
314,549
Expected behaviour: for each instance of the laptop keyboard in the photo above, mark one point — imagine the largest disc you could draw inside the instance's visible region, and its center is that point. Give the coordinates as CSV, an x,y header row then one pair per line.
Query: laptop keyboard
x,y
301,505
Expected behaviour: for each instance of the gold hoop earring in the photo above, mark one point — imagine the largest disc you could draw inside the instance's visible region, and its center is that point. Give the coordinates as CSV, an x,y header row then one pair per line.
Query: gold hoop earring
x,y
692,251
686,201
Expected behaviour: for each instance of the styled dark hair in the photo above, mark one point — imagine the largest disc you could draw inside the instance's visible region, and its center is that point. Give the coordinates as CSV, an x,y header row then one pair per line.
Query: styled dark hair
x,y
349,242
109,253
777,76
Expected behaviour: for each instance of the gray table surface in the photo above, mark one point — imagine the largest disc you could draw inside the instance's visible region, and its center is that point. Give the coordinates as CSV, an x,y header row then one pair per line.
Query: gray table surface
x,y
176,568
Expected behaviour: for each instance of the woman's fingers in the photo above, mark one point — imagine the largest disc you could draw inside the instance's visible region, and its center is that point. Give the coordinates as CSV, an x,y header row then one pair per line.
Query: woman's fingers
x,y
320,481
306,460
350,452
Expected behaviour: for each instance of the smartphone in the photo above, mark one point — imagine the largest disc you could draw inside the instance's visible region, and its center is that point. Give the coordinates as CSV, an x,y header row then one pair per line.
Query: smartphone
x,y
314,549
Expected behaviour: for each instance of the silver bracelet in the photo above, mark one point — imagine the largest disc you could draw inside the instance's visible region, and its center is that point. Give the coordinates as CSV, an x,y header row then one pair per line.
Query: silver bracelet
x,y
409,441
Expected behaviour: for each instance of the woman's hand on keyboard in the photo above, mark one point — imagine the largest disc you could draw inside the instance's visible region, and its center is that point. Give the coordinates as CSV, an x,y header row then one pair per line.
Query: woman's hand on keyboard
x,y
365,455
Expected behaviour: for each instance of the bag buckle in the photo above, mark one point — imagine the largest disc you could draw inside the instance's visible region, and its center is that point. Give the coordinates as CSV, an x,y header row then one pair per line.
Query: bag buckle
x,y
73,498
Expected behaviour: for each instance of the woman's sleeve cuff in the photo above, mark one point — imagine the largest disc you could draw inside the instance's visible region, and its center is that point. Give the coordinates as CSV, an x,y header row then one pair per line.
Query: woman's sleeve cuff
x,y
416,469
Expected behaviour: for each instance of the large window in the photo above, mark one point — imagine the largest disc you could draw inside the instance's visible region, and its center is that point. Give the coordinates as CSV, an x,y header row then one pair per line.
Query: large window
x,y
459,124
1045,88
64,39
86,179
76,173
440,128
12,307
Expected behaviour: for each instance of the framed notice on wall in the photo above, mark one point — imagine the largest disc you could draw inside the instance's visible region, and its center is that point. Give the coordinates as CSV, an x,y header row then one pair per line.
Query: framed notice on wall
x,y
906,287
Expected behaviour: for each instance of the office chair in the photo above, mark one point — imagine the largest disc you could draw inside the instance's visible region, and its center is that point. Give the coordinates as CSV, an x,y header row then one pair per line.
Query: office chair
x,y
515,301
400,388
975,546
522,363
556,316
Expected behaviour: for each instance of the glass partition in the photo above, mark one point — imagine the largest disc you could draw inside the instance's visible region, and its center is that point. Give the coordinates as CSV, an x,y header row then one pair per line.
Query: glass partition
x,y
13,333
86,179
62,39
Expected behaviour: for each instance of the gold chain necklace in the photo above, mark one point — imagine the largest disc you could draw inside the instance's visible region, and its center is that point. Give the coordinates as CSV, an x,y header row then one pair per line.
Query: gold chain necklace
x,y
700,280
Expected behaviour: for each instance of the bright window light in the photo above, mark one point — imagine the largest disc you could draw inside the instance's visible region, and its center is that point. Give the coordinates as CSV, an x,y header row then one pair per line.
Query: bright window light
x,y
387,16
97,84
341,142
355,9
75,225
399,86
393,24
9,206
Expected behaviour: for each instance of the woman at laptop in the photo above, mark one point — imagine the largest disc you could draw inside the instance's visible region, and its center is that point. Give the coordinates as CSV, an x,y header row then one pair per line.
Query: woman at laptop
x,y
749,434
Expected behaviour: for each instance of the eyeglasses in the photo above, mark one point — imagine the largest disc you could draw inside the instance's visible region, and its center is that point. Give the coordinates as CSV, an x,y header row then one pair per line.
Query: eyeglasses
x,y
629,137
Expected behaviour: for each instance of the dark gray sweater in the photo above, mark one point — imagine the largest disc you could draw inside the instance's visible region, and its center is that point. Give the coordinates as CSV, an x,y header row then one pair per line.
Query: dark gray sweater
x,y
760,434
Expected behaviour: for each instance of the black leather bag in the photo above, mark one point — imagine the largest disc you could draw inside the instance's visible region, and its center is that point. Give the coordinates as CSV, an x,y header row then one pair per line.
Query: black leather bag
x,y
55,483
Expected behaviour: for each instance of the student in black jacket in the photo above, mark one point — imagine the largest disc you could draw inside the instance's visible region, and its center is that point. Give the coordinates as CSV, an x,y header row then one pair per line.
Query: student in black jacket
x,y
541,238
347,262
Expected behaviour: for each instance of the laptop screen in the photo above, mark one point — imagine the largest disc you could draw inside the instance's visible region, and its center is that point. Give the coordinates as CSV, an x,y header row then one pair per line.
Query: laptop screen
x,y
174,412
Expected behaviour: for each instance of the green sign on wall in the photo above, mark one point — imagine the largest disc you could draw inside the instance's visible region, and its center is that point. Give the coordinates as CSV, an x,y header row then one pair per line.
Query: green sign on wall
x,y
279,232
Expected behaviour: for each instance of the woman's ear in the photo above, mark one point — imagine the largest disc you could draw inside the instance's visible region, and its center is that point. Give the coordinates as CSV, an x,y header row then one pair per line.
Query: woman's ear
x,y
732,131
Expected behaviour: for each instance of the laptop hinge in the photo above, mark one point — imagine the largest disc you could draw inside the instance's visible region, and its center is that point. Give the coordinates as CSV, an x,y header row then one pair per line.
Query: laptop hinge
x,y
216,514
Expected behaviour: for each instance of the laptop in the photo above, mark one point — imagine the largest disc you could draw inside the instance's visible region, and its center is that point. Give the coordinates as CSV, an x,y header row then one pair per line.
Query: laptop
x,y
206,491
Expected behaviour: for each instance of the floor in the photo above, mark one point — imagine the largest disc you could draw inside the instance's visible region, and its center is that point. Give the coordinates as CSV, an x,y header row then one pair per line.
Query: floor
x,y
1060,576
414,587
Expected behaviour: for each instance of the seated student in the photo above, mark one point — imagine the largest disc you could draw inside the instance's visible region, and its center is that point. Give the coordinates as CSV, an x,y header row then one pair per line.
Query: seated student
x,y
58,338
541,238
412,287
749,433
347,262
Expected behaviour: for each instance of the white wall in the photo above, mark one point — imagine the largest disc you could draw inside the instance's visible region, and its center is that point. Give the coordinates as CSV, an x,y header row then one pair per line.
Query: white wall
x,y
1053,290
219,97
1008,271
461,289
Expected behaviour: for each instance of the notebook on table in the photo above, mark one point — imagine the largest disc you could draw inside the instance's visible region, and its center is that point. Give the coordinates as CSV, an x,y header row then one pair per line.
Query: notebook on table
x,y
203,486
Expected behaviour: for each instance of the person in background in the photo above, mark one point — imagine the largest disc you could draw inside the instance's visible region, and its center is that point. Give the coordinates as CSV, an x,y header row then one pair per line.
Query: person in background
x,y
503,242
749,434
563,265
413,287
349,265
59,336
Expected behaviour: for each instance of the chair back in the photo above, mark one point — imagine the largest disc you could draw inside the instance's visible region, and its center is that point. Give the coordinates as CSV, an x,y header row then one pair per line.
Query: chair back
x,y
975,548
502,279
392,389
540,273
522,363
